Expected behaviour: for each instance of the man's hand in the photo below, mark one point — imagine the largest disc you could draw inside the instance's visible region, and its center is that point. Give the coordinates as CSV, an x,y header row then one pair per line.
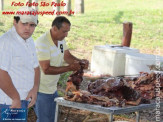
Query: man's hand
x,y
7,86
32,95
74,66
85,62
16,103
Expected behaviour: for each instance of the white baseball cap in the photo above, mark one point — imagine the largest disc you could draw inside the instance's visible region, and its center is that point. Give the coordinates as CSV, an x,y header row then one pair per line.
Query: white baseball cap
x,y
27,14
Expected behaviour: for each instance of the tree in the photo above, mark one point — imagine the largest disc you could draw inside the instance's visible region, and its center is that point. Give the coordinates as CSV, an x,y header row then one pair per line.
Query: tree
x,y
79,6
35,7
1,5
57,8
68,5
31,1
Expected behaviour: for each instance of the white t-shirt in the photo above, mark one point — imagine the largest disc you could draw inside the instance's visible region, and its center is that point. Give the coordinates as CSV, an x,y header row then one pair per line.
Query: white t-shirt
x,y
18,58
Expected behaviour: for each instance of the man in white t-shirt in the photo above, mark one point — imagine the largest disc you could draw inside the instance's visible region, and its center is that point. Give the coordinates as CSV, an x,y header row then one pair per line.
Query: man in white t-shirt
x,y
19,67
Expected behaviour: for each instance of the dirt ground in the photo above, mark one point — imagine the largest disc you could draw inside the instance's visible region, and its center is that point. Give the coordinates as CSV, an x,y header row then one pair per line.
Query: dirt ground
x,y
67,114
76,115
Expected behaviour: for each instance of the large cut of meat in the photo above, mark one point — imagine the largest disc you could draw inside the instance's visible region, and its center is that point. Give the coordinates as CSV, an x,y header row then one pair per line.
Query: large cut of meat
x,y
114,88
115,91
146,84
111,84
107,92
75,79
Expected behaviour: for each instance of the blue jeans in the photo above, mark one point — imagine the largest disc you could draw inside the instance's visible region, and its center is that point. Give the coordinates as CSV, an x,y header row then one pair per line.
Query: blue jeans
x,y
24,104
45,107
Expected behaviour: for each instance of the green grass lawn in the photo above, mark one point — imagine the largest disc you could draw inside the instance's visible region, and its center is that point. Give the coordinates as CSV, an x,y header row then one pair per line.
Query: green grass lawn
x,y
102,24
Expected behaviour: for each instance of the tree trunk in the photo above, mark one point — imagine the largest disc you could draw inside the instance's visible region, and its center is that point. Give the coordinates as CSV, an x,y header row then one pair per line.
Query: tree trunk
x,y
32,1
57,8
35,7
68,6
1,5
127,33
79,6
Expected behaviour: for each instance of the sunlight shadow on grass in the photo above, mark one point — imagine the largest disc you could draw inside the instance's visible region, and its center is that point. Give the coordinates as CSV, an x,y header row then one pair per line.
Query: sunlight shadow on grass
x,y
2,31
1,24
118,17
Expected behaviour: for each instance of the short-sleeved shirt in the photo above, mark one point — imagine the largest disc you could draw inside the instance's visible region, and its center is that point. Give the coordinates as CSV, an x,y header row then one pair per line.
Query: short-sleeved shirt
x,y
47,50
18,58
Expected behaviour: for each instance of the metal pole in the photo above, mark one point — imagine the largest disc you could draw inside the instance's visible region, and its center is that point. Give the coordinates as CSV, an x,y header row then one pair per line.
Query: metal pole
x,y
56,112
137,116
110,117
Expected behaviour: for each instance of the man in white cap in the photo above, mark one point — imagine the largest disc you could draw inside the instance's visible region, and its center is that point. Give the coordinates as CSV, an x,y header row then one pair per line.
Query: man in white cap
x,y
19,67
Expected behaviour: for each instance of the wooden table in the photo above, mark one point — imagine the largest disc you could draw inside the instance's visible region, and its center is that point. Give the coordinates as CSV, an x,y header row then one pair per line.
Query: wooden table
x,y
104,110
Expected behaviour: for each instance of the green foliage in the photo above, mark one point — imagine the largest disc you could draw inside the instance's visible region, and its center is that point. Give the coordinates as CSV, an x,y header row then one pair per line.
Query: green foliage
x,y
63,79
62,83
60,93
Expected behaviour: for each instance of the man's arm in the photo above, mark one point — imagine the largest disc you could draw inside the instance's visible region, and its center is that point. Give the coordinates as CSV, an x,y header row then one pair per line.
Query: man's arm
x,y
33,92
7,86
52,70
69,58
37,78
